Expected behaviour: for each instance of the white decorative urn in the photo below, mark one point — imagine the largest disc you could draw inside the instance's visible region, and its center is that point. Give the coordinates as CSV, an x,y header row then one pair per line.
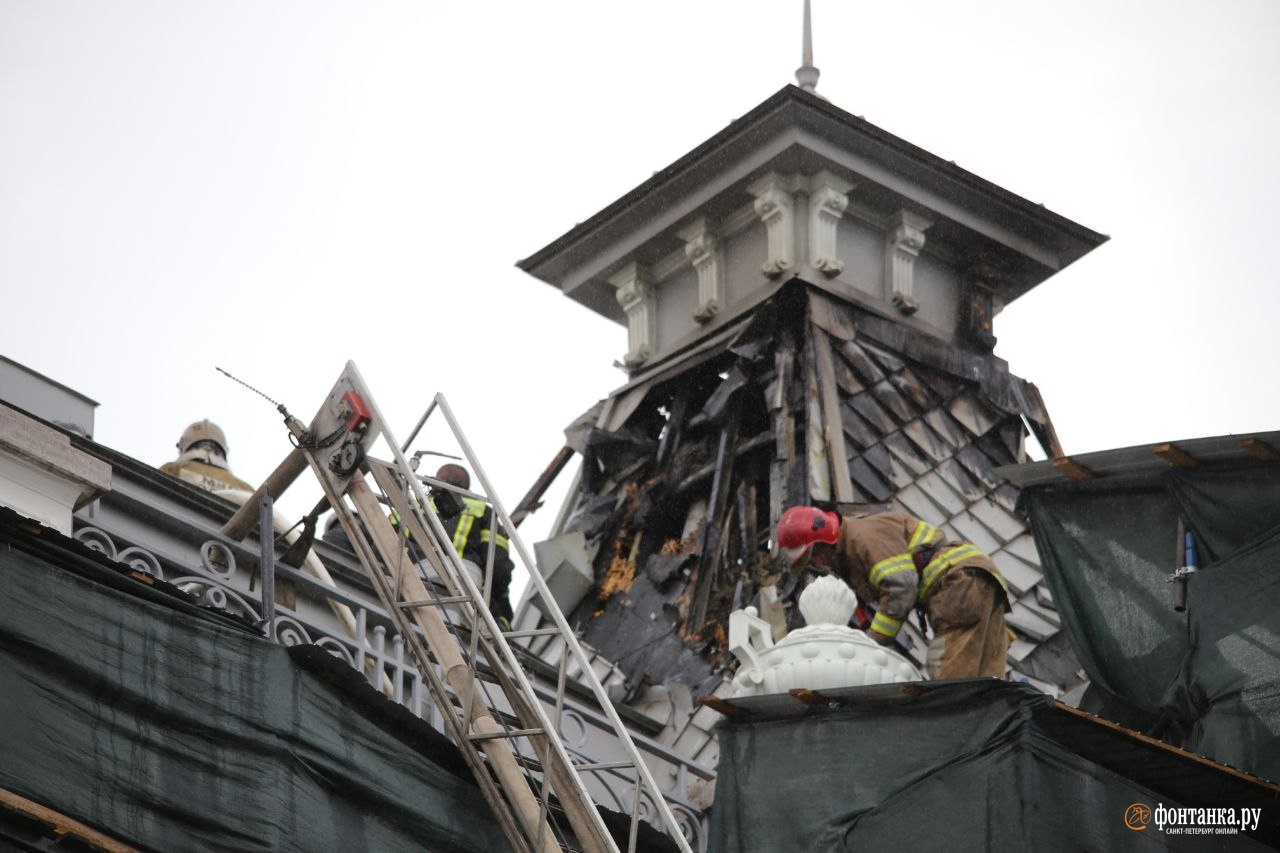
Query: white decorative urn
x,y
823,655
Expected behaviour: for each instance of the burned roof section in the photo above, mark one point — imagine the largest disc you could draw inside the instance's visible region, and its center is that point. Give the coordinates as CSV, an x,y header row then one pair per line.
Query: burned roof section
x,y
813,400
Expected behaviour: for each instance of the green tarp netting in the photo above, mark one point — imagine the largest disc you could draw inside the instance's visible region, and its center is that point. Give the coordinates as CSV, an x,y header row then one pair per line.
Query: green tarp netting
x,y
174,729
1209,678
965,766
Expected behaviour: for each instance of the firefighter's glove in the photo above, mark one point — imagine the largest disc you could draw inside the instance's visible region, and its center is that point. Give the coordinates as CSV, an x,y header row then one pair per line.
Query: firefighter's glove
x,y
880,638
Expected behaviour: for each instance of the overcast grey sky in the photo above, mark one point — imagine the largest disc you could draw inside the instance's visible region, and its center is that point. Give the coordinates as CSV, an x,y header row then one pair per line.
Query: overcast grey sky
x,y
276,187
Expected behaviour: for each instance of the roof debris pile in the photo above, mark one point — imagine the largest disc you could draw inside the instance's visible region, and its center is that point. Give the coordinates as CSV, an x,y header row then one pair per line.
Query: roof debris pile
x,y
809,399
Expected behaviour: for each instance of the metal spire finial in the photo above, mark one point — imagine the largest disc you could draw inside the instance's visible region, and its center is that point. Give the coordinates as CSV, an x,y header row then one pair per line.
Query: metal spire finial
x,y
807,74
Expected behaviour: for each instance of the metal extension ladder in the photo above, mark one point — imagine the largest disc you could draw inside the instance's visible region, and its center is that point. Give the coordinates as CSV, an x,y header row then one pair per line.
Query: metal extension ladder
x,y
461,664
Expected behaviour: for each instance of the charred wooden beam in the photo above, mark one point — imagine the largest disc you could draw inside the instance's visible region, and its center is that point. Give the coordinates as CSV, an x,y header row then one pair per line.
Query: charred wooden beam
x,y
675,430
717,512
531,501
718,403
759,441
797,470
779,404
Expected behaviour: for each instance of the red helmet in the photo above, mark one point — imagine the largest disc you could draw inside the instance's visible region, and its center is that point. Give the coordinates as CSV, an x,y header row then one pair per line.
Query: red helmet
x,y
801,527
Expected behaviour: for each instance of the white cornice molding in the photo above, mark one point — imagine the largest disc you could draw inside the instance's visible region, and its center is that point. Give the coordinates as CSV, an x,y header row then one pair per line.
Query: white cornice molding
x,y
902,245
775,205
636,296
704,250
828,200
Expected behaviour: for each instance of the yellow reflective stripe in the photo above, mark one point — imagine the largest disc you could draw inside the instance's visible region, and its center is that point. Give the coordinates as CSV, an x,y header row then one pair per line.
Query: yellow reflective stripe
x,y
922,536
394,516
462,532
473,506
944,561
909,567
886,625
889,565
486,535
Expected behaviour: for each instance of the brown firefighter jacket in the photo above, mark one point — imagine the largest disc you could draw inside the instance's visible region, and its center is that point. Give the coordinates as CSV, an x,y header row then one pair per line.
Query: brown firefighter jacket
x,y
208,477
895,561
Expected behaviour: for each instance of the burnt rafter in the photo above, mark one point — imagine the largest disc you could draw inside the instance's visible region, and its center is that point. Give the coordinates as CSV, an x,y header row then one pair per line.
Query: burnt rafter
x,y
813,400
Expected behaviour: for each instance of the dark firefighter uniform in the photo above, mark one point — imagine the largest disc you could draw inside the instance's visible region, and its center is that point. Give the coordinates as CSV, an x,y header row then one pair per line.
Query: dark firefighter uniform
x,y
472,529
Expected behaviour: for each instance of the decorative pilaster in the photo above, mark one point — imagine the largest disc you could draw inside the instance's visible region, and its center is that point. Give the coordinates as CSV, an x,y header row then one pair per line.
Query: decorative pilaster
x,y
828,199
902,245
636,296
775,206
703,249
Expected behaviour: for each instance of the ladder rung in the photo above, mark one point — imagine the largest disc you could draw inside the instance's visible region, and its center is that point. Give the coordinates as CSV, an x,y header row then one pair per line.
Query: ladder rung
x,y
604,765
434,602
506,734
536,632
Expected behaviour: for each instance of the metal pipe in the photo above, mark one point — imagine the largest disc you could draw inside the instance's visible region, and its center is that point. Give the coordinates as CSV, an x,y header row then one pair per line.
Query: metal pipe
x,y
267,559
408,442
277,482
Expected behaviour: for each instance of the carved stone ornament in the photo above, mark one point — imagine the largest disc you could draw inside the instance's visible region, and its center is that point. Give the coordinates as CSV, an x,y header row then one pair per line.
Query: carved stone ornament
x,y
828,200
703,249
825,654
636,296
775,205
903,244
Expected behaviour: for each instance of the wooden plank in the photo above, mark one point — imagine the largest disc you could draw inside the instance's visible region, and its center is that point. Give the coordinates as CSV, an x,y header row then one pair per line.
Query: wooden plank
x,y
1072,469
1270,787
445,649
1175,456
1259,448
722,706
818,470
833,427
807,696
530,502
63,825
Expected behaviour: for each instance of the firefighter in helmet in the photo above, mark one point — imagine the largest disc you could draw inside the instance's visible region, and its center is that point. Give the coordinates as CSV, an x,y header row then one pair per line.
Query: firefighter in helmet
x,y
202,459
897,562
471,524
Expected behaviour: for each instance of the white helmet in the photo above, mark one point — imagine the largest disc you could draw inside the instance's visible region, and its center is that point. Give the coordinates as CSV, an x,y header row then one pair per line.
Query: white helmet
x,y
205,430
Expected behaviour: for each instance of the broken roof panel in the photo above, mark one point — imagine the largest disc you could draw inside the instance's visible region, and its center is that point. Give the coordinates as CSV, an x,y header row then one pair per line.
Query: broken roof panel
x,y
929,465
